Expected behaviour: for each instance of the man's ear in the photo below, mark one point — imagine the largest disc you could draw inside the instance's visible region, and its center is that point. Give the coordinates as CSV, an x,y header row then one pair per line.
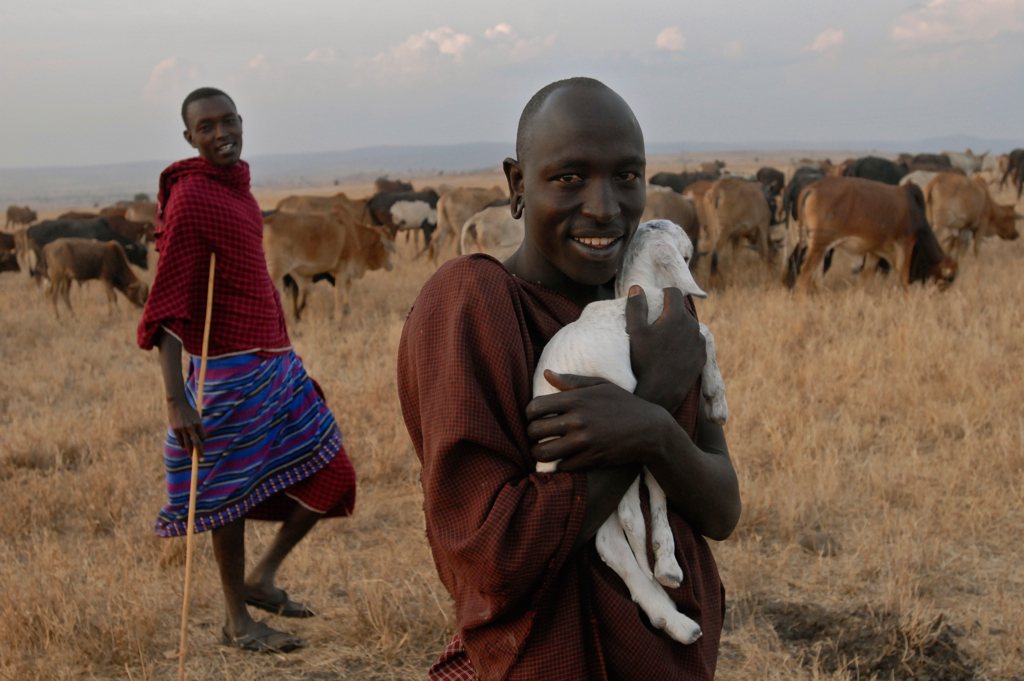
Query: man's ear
x,y
187,134
514,175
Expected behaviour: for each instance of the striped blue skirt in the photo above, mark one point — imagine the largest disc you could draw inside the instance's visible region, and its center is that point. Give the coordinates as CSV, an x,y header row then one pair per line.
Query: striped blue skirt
x,y
267,428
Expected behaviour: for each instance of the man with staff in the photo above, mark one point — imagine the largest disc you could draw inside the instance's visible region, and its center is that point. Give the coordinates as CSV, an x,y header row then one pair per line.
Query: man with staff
x,y
268,446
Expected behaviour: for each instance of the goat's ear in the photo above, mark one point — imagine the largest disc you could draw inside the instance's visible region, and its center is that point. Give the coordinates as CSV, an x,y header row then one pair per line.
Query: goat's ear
x,y
667,258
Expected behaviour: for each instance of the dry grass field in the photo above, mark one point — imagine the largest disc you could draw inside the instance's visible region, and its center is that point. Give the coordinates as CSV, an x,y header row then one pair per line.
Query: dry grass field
x,y
883,427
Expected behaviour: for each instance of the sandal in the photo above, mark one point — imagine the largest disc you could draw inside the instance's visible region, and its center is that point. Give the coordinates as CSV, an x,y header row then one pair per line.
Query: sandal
x,y
281,605
259,640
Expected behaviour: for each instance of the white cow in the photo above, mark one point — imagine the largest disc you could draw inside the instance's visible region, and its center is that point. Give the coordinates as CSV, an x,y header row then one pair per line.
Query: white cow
x,y
919,177
966,161
597,345
492,231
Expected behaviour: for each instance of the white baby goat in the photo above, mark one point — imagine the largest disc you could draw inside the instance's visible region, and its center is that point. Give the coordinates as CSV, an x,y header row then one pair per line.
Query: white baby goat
x,y
596,344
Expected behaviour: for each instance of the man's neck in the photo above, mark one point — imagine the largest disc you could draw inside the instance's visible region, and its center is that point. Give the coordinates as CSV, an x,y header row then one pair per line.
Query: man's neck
x,y
536,269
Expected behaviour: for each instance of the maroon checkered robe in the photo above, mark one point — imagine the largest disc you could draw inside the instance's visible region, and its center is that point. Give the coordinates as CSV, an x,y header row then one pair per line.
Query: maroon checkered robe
x,y
207,208
500,532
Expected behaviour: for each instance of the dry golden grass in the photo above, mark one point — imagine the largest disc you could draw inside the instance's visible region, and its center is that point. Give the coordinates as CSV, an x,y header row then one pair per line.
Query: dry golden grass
x,y
890,422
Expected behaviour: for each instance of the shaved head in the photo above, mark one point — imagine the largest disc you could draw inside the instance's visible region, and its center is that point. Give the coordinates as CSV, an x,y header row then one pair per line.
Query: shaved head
x,y
536,103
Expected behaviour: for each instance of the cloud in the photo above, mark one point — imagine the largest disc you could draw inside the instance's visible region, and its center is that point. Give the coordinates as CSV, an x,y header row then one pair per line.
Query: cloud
x,y
955,21
498,31
322,56
733,49
507,47
671,39
445,50
828,39
166,81
422,51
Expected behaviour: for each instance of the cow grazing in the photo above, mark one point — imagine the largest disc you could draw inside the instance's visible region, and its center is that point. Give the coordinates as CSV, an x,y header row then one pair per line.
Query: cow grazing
x,y
9,262
20,215
99,229
803,177
958,205
678,182
119,210
145,213
877,169
919,177
322,204
772,178
966,161
1014,167
712,167
383,184
867,217
737,211
665,204
492,231
135,231
937,163
454,208
8,253
304,245
404,211
83,259
697,192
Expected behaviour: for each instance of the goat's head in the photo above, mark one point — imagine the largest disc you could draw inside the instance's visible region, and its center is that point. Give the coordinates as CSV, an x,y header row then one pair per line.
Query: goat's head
x,y
658,256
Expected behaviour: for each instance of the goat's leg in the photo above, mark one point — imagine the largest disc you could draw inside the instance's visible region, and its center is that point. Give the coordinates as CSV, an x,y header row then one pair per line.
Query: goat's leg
x,y
666,567
614,550
632,520
712,385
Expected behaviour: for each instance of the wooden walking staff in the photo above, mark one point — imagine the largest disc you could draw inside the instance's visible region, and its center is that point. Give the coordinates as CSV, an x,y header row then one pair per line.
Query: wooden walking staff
x,y
190,529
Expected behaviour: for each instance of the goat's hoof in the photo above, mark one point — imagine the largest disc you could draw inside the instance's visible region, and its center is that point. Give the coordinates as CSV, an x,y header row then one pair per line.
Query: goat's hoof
x,y
717,411
684,630
669,578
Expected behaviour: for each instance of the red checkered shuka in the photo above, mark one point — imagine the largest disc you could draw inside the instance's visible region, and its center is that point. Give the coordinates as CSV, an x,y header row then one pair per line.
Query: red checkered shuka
x,y
206,208
500,532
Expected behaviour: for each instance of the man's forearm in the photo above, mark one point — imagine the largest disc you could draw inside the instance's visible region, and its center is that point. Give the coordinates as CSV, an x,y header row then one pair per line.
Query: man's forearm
x,y
170,366
701,486
605,487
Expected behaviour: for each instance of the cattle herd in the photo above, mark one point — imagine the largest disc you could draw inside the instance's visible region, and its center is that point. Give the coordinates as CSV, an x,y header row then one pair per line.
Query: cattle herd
x,y
917,215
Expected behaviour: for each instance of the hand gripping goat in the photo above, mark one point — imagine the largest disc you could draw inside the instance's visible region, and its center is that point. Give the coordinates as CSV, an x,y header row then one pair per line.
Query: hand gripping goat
x,y
597,345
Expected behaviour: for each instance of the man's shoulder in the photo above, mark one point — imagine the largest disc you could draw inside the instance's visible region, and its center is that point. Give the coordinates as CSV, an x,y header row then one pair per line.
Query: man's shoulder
x,y
474,281
477,270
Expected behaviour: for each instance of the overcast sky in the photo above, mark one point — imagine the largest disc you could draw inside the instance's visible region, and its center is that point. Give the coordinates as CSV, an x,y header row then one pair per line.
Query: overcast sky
x,y
102,81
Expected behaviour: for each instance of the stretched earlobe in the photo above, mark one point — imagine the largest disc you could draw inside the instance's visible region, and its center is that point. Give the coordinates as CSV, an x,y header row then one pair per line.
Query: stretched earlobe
x,y
517,207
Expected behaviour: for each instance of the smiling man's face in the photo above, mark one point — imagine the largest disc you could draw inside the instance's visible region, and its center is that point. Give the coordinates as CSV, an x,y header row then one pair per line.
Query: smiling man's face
x,y
215,129
582,182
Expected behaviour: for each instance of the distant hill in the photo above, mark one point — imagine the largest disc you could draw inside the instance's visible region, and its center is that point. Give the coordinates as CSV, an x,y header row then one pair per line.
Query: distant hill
x,y
103,184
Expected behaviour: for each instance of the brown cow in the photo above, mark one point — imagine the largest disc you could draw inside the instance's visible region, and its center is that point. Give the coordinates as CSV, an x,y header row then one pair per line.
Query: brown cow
x,y
20,215
117,210
141,211
738,210
665,204
696,192
8,256
958,205
83,259
383,184
322,204
77,215
870,218
454,208
304,245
